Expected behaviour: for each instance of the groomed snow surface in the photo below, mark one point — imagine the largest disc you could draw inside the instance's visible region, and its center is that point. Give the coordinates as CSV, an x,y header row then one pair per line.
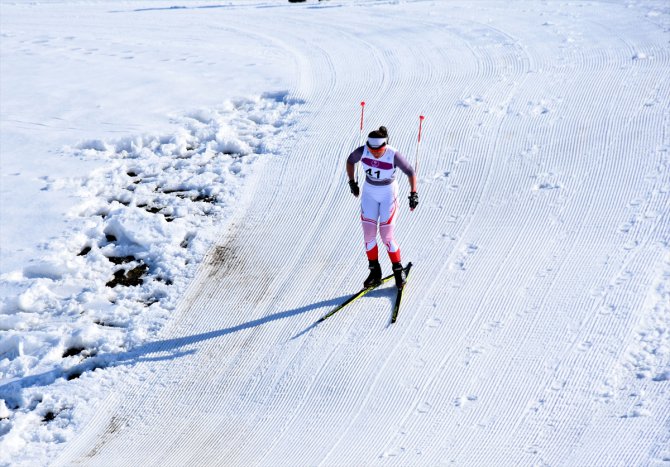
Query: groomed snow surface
x,y
175,218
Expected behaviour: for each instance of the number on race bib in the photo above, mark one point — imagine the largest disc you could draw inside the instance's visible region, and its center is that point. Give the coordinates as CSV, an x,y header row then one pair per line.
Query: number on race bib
x,y
370,172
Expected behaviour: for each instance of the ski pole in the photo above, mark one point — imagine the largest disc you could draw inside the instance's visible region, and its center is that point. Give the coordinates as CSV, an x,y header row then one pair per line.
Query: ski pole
x,y
362,113
360,139
418,144
416,159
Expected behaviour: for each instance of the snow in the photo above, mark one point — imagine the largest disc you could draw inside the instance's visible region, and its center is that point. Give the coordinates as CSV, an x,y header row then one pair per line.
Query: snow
x,y
175,217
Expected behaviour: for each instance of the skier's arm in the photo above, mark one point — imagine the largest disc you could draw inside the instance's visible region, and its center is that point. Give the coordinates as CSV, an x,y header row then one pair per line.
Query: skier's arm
x,y
401,162
353,158
405,166
412,183
350,170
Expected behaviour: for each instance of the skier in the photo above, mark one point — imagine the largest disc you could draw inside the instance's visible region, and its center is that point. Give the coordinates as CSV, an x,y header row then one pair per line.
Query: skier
x,y
379,202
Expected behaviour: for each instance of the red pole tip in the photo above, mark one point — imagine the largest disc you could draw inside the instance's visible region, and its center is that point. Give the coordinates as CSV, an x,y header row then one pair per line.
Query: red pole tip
x,y
421,117
363,103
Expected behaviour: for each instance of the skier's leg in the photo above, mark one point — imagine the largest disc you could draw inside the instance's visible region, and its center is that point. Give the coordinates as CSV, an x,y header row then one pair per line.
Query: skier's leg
x,y
387,218
386,231
369,216
388,214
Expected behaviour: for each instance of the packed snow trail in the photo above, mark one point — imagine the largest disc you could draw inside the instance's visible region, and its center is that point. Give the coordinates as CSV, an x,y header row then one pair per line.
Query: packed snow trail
x,y
540,249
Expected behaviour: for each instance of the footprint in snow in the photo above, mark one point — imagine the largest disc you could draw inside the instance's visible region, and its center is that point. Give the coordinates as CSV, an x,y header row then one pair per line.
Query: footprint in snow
x,y
463,400
433,322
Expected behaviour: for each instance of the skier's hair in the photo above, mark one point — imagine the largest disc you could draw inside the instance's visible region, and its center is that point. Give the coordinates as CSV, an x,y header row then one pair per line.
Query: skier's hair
x,y
382,132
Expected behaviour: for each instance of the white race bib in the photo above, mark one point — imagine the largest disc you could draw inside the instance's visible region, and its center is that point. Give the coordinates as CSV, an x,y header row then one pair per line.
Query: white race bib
x,y
379,170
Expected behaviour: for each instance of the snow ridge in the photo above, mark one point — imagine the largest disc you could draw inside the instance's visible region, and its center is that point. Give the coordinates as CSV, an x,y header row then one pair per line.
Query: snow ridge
x,y
146,219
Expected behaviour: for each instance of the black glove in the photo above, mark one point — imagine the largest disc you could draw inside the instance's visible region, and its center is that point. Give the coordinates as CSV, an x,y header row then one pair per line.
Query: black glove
x,y
413,200
354,188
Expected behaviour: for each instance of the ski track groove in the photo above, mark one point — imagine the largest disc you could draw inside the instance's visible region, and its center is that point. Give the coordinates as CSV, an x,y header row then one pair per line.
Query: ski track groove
x,y
487,72
382,86
375,381
558,376
326,203
587,327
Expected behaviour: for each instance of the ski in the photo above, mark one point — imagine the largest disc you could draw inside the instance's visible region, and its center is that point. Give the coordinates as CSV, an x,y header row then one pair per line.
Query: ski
x,y
361,293
398,298
353,298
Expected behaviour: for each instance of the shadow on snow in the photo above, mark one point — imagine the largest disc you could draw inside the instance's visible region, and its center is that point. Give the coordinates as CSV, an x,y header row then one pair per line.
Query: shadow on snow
x,y
151,352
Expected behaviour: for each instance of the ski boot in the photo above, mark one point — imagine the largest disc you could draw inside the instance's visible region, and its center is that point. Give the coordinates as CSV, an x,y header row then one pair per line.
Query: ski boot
x,y
375,277
399,274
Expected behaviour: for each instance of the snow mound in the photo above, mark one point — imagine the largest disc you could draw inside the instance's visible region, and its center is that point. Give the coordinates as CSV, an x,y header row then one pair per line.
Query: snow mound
x,y
146,219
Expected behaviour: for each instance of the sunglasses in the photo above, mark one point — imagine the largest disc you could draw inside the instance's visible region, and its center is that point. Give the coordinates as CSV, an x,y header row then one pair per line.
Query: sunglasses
x,y
376,149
